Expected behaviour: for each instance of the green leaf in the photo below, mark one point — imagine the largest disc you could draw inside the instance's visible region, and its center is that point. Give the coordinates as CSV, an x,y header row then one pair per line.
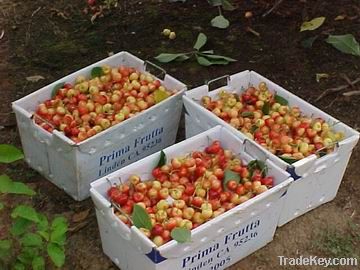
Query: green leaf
x,y
312,25
43,223
5,246
56,254
215,3
253,128
1,206
25,212
59,227
31,240
19,226
320,76
59,222
7,185
38,263
307,43
97,72
205,61
208,52
22,189
182,58
44,234
19,266
141,218
56,89
200,42
160,95
228,176
266,108
219,57
181,235
247,114
345,43
257,165
168,57
9,153
162,159
281,100
227,5
27,254
288,160
220,22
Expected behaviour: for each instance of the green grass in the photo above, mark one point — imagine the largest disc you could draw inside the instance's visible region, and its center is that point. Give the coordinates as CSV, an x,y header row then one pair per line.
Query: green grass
x,y
335,243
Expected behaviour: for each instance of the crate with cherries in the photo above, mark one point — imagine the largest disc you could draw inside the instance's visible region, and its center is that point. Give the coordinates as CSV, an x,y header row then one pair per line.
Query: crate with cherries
x,y
188,191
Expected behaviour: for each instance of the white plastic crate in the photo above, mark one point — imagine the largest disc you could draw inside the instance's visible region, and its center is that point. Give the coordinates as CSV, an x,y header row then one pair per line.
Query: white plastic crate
x,y
215,244
317,180
73,167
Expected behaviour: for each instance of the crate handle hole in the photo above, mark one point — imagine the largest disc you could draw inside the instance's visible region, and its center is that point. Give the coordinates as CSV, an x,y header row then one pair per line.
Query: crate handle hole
x,y
320,168
107,143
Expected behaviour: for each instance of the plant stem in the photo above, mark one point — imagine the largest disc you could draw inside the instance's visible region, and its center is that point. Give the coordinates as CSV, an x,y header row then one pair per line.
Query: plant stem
x,y
220,11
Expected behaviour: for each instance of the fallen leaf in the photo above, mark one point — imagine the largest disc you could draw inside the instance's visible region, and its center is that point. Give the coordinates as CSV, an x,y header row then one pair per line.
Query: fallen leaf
x,y
35,78
313,24
340,17
78,217
79,226
320,76
345,43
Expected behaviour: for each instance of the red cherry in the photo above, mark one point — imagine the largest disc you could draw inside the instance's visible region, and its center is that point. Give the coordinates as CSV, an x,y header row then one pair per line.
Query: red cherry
x,y
158,229
138,197
199,171
240,190
214,194
183,172
166,235
68,85
157,172
112,191
232,185
225,196
75,131
267,181
189,189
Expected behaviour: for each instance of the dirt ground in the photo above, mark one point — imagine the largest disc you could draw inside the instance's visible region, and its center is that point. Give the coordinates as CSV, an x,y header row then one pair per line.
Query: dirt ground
x,y
55,38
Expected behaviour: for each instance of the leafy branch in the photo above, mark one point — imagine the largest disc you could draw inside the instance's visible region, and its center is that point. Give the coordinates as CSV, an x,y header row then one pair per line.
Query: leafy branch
x,y
31,236
204,58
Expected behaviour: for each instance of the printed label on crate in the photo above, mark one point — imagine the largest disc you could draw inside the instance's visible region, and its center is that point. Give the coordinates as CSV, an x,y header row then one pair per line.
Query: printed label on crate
x,y
223,250
138,147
